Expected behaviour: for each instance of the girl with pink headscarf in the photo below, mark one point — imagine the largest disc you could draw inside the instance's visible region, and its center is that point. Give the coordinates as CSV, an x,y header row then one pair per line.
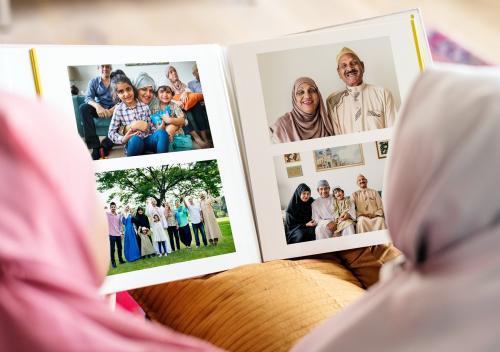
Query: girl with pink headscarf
x,y
443,211
49,292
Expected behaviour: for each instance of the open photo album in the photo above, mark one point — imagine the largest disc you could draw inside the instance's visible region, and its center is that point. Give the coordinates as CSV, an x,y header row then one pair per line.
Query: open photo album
x,y
210,157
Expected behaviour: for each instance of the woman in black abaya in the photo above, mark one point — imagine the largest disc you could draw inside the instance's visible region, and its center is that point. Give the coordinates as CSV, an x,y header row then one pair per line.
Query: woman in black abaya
x,y
299,226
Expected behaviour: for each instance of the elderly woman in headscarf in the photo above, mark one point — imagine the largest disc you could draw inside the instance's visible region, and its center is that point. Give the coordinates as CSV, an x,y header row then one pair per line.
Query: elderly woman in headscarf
x,y
308,118
443,211
51,269
299,225
191,103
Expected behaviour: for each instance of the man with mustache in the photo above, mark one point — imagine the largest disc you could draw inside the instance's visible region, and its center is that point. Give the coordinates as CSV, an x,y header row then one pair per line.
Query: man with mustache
x,y
368,204
361,106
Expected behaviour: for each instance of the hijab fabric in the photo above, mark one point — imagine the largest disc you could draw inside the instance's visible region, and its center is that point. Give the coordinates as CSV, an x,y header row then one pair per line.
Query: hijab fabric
x,y
49,277
297,125
177,86
442,204
298,212
144,80
141,220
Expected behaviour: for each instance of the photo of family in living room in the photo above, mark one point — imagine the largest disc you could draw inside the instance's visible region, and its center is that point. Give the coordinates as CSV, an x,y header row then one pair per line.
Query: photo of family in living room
x,y
337,194
136,109
164,215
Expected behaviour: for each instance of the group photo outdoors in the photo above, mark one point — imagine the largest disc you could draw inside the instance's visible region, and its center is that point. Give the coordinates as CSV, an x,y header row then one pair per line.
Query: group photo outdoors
x,y
135,109
163,215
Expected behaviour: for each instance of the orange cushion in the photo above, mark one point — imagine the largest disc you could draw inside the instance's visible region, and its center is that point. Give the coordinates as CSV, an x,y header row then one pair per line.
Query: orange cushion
x,y
193,99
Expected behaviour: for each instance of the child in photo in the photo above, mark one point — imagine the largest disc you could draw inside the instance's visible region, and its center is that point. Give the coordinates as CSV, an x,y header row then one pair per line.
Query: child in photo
x,y
147,249
159,235
170,116
134,117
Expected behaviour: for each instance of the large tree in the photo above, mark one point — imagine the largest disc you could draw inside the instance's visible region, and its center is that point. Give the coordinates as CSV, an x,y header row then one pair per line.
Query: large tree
x,y
169,181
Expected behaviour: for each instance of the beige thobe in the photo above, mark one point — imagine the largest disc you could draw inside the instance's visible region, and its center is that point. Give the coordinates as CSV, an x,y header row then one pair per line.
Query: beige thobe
x,y
368,201
211,226
361,108
345,227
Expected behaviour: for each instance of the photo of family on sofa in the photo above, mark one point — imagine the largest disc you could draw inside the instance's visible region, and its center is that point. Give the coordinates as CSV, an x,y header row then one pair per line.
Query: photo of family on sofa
x,y
332,214
168,214
143,108
330,196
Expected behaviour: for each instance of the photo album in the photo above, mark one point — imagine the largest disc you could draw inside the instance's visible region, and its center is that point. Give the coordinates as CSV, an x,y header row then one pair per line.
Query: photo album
x,y
207,157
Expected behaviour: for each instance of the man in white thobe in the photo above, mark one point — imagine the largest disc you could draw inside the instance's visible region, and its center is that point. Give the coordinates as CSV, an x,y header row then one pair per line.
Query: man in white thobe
x,y
322,212
360,106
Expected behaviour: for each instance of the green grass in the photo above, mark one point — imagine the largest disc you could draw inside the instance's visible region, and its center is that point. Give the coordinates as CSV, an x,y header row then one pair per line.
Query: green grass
x,y
225,245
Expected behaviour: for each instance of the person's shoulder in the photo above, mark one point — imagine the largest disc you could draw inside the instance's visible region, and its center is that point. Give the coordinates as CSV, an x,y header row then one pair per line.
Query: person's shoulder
x,y
281,122
120,106
316,202
278,130
334,98
141,104
378,89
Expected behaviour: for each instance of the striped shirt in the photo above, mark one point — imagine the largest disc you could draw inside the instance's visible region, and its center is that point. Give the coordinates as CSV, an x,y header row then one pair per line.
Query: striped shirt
x,y
124,116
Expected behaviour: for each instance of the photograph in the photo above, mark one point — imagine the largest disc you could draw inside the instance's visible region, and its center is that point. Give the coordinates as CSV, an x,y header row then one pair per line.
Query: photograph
x,y
164,214
292,157
294,171
333,158
333,202
347,87
134,109
382,149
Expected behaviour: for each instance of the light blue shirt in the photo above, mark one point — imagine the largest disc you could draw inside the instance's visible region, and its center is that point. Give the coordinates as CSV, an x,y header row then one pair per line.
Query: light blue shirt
x,y
195,86
97,91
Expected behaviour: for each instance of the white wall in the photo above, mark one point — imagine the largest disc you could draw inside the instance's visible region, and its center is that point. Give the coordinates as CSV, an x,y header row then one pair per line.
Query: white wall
x,y
280,69
373,169
83,74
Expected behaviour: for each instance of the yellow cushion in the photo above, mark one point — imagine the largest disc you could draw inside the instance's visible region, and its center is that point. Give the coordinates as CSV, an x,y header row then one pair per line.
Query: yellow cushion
x,y
260,307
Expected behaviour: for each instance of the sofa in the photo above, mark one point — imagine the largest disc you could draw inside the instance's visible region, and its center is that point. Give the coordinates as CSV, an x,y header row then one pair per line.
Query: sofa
x,y
101,125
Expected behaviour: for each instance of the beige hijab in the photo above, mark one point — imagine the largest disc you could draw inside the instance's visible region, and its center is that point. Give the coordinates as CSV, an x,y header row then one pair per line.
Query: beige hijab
x,y
442,201
297,125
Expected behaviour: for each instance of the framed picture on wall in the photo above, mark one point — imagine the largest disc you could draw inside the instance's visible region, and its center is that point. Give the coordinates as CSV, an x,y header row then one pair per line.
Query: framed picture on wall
x,y
338,157
292,157
382,149
294,171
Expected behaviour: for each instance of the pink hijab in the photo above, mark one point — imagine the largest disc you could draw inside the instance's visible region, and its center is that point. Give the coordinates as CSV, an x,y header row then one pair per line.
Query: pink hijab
x,y
297,125
48,275
442,201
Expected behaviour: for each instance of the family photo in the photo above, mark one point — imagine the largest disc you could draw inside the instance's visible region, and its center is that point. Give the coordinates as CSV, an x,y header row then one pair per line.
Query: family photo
x,y
347,88
136,109
335,201
163,215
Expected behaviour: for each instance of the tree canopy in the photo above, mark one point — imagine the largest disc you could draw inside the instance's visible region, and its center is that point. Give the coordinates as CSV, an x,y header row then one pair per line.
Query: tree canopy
x,y
162,182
